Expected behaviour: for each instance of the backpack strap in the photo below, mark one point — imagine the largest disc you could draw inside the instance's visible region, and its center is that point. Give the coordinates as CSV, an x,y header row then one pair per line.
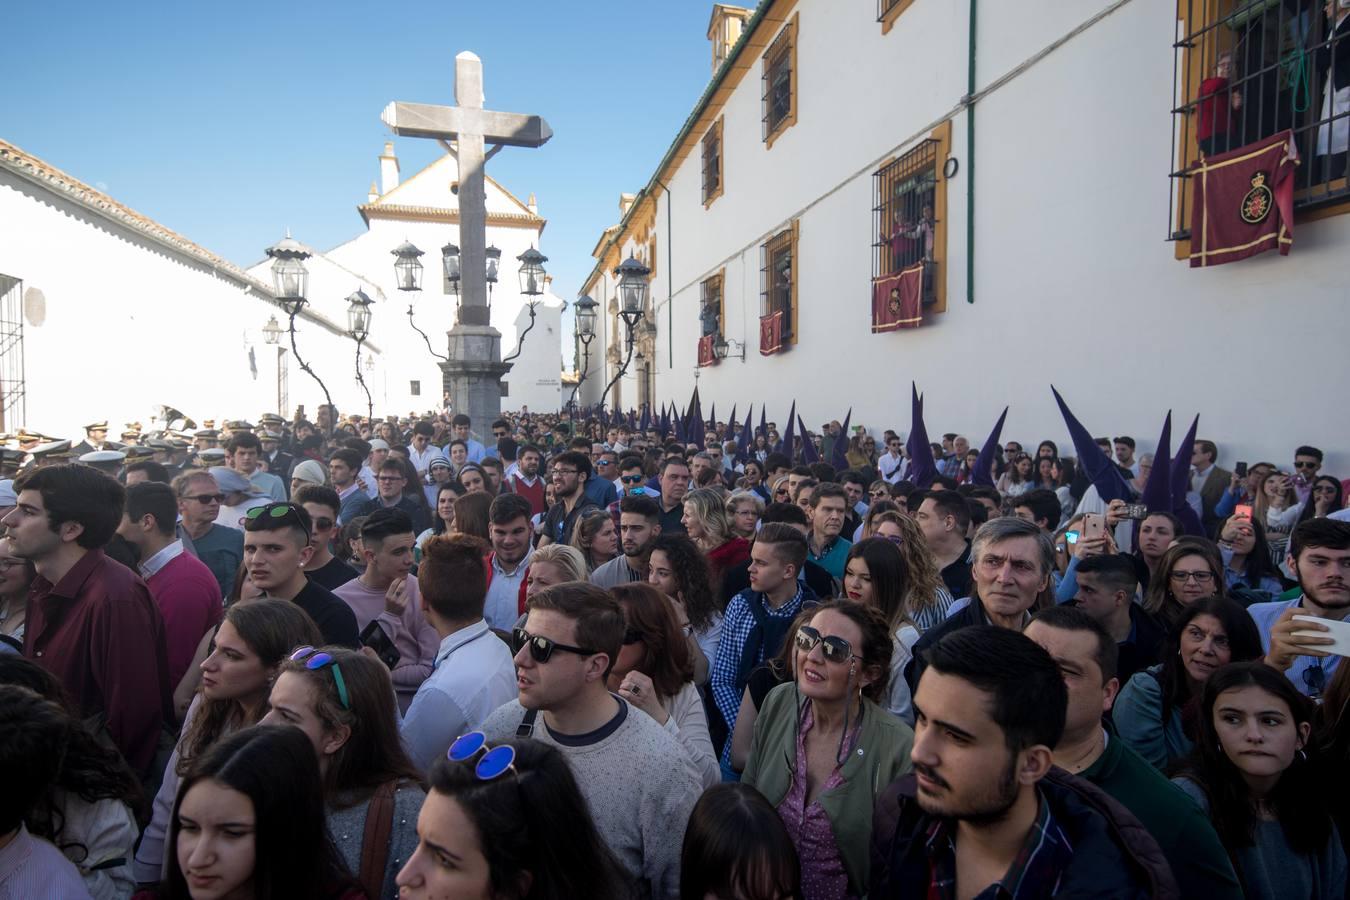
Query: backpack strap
x,y
375,841
526,727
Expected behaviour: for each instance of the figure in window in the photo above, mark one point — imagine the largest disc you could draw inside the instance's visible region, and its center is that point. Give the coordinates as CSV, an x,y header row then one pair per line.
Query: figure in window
x,y
1333,65
710,316
1214,130
912,237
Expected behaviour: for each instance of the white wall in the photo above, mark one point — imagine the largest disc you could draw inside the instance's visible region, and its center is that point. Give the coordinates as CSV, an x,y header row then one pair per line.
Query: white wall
x,y
1075,283
130,324
535,379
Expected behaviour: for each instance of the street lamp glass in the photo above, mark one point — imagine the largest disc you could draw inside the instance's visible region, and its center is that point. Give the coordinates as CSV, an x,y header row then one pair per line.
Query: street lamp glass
x,y
272,331
407,268
532,272
493,256
633,286
290,279
720,347
585,317
450,263
358,315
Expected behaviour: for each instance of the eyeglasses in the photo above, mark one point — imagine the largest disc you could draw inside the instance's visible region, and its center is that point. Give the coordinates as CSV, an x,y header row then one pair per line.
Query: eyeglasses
x,y
315,661
541,648
631,479
1198,577
496,761
1306,464
204,499
558,473
834,649
389,478
278,511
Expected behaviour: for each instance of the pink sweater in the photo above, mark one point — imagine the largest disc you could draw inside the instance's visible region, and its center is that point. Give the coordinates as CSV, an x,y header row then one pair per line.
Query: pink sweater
x,y
188,597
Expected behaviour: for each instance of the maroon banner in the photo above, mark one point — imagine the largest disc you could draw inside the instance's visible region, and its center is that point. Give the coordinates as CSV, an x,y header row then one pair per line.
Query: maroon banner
x,y
1243,202
896,300
771,333
706,356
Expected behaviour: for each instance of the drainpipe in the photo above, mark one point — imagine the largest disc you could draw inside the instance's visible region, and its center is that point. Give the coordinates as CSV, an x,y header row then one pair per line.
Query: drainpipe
x,y
970,156
670,284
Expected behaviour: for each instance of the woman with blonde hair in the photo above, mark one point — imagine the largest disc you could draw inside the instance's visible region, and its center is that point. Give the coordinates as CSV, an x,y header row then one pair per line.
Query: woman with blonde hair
x,y
1277,508
926,597
554,564
705,521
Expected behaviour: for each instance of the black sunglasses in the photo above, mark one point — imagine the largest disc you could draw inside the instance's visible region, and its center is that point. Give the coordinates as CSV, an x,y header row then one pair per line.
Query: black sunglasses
x,y
206,498
541,648
632,479
834,649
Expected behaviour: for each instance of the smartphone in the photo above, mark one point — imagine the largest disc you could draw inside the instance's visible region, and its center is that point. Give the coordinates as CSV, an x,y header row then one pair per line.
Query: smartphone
x,y
1240,469
1137,511
1243,511
374,637
1094,526
1071,537
1338,631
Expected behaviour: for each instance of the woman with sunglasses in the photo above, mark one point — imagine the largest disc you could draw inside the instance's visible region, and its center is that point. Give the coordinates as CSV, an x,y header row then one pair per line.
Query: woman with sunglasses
x,y
653,672
1186,573
807,742
508,821
1246,557
1157,709
1324,498
753,474
596,538
344,703
781,490
763,679
875,575
248,823
247,651
1019,478
1251,774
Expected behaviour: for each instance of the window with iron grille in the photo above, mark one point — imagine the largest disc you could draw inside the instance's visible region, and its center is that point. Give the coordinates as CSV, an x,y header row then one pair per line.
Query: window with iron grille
x,y
415,388
1248,69
779,83
710,306
712,163
904,229
778,278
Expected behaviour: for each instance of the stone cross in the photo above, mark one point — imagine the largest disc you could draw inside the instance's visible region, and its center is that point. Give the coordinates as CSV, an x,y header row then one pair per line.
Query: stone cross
x,y
472,376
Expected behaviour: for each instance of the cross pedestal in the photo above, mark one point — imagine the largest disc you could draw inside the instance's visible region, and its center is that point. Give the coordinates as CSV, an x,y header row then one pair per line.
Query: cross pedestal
x,y
472,376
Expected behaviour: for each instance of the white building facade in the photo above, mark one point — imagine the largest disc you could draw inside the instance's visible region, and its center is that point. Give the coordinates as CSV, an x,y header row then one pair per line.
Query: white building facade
x,y
1022,165
106,314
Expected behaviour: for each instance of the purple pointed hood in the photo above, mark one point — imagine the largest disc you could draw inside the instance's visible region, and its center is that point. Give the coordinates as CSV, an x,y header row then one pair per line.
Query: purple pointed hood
x,y
984,464
922,469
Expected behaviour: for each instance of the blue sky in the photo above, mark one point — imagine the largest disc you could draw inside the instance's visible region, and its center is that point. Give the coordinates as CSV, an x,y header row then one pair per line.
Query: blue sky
x,y
230,122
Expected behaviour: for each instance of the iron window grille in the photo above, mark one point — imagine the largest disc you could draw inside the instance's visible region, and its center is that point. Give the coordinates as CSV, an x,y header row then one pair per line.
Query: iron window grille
x,y
710,306
13,385
904,227
776,276
777,84
712,162
1279,54
415,388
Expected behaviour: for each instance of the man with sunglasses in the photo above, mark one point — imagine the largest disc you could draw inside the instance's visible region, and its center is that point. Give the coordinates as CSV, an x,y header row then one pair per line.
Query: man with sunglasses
x,y
323,505
638,783
1307,463
276,548
601,486
221,548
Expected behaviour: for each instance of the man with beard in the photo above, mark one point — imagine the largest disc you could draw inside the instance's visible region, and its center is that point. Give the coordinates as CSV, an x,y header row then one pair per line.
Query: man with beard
x,y
524,480
1319,557
639,527
985,812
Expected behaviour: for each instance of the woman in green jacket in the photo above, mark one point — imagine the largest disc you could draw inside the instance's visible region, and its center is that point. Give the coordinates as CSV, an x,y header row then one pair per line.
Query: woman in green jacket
x,y
824,750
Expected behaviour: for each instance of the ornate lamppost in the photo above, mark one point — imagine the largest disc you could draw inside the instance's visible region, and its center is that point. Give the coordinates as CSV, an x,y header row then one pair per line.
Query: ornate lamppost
x,y
290,282
632,302
531,285
585,333
272,336
408,278
358,328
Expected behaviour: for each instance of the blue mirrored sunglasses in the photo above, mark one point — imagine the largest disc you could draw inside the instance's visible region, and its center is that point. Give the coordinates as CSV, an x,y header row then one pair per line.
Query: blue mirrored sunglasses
x,y
494,762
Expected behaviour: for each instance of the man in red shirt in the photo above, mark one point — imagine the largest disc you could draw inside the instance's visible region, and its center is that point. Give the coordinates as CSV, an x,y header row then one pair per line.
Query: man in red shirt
x,y
91,621
184,589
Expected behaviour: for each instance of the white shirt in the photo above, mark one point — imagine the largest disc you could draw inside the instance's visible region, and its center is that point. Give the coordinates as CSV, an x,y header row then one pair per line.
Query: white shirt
x,y
161,559
889,466
233,516
502,606
423,460
473,675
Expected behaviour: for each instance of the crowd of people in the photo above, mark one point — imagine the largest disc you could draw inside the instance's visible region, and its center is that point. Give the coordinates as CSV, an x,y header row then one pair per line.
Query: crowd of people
x,y
602,658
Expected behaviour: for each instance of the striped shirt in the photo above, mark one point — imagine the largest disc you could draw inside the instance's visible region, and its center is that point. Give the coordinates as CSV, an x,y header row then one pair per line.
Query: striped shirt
x,y
33,869
1035,871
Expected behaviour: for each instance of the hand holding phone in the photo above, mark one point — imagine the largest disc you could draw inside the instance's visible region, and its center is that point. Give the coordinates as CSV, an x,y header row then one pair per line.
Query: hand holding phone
x,y
373,636
1094,526
1240,470
1243,511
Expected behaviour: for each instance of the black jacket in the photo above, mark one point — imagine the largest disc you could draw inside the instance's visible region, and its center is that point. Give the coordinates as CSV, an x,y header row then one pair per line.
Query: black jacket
x,y
972,615
1113,855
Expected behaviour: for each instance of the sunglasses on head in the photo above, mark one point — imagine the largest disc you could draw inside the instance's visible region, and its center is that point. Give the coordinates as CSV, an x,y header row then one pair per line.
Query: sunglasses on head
x,y
278,511
495,762
541,648
315,660
834,649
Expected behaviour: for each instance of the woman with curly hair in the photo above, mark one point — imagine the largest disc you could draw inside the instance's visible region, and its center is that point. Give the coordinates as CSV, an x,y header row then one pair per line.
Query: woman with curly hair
x,y
681,571
705,521
926,597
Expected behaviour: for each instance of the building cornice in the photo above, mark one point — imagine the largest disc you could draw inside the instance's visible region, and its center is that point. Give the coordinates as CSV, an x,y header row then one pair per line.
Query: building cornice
x,y
440,214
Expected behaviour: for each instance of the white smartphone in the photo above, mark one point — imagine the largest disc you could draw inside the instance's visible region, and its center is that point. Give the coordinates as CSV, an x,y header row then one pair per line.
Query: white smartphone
x,y
1339,632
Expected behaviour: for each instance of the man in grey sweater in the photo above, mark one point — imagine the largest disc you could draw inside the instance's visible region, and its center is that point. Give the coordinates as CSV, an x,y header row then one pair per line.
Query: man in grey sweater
x,y
639,785
639,527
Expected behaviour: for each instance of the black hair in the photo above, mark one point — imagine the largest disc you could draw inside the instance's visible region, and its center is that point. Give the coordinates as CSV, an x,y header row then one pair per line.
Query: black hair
x,y
1028,698
786,513
1307,450
1331,534
580,461
1116,570
889,573
154,499
775,461
629,461
507,508
642,505
350,457
461,419
33,737
361,447
243,440
153,471
1244,645
274,766
424,428
735,845
979,513
803,472
80,494
701,603
1298,801
1126,440
1070,618
1043,503
386,522
534,823
673,461
320,495
823,472
297,519
950,503
949,484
